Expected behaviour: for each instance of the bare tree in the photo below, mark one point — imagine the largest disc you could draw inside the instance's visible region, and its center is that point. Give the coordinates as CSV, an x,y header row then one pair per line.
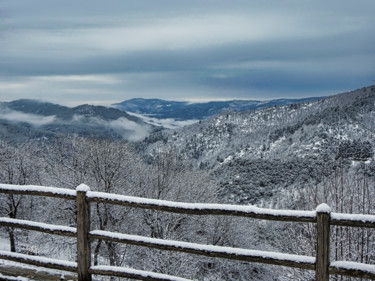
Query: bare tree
x,y
16,167
347,190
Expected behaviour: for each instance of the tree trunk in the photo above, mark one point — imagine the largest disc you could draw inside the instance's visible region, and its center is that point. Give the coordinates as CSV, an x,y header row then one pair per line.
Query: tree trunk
x,y
12,240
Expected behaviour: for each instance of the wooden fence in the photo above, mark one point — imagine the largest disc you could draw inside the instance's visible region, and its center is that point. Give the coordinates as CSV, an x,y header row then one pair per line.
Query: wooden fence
x,y
322,216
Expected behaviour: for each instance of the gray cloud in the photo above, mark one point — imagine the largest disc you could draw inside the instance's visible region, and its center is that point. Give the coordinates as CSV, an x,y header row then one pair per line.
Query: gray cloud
x,y
70,51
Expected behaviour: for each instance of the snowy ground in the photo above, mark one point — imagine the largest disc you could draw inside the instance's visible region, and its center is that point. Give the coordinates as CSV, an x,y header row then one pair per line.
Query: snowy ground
x,y
4,243
10,269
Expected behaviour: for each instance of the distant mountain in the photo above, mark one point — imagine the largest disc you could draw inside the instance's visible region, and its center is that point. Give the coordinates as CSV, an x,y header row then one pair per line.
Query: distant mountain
x,y
182,111
66,113
35,107
22,119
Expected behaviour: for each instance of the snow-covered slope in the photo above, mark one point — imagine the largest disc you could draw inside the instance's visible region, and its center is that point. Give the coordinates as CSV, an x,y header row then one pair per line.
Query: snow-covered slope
x,y
257,153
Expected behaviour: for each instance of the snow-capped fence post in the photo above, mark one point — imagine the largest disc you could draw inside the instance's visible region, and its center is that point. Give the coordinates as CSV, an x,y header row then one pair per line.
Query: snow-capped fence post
x,y
323,216
83,228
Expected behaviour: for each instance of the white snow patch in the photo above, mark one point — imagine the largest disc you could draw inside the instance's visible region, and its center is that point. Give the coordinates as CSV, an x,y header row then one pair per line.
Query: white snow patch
x,y
38,188
368,268
229,158
356,163
11,278
201,206
323,208
137,272
241,153
4,244
83,188
278,142
208,248
354,217
50,227
38,259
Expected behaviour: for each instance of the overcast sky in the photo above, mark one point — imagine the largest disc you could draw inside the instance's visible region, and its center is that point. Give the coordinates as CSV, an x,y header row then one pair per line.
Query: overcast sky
x,y
101,52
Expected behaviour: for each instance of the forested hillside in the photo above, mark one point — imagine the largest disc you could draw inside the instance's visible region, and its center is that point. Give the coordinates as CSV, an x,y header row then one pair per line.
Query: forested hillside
x,y
259,153
294,157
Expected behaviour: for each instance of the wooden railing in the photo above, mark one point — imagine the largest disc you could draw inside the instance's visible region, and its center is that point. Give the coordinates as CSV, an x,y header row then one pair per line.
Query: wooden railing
x,y
322,216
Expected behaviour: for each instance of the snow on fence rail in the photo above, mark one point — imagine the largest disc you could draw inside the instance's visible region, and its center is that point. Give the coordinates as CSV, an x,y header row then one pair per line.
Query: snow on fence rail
x,y
208,250
83,196
39,261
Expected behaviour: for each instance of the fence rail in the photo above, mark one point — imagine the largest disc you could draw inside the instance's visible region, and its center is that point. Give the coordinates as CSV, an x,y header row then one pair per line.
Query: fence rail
x,y
83,197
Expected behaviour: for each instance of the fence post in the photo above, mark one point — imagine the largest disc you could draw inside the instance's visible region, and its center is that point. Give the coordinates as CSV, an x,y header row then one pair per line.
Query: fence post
x,y
323,215
83,228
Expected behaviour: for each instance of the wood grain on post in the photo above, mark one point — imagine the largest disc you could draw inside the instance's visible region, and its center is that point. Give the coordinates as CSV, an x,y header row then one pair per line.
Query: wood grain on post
x,y
323,213
83,228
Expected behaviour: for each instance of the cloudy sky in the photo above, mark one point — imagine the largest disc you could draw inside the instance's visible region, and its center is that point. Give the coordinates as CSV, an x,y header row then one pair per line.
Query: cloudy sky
x,y
101,52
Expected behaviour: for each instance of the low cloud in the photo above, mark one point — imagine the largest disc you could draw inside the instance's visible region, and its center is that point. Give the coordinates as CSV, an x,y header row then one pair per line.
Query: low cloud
x,y
168,123
128,129
33,119
123,125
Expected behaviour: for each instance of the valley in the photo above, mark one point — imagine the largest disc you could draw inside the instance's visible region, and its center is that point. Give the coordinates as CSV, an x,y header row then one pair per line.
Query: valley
x,y
291,156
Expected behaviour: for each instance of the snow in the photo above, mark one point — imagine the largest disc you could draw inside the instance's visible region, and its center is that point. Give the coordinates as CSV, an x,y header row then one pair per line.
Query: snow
x,y
208,248
138,272
37,188
368,268
11,278
50,227
354,217
32,271
228,159
323,208
4,247
4,244
41,260
181,205
82,188
201,206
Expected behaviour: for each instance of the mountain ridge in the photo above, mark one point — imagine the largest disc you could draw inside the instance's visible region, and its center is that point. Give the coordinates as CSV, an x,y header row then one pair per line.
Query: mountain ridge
x,y
25,118
182,111
28,118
